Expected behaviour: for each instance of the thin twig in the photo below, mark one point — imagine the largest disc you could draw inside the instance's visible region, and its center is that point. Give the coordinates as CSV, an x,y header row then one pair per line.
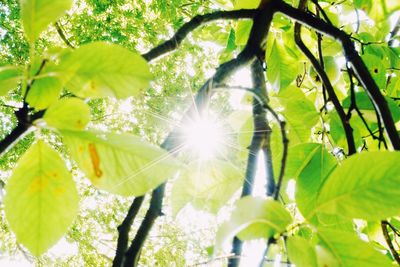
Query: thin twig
x,y
389,242
357,64
62,35
326,84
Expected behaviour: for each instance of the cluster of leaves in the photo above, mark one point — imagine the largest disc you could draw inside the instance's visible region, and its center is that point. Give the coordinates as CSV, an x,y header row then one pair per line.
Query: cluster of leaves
x,y
63,86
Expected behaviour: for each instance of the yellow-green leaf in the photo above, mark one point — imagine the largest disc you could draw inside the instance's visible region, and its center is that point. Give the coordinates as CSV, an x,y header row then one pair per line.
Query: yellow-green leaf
x,y
36,15
41,200
365,186
68,113
120,163
254,217
206,185
103,69
10,76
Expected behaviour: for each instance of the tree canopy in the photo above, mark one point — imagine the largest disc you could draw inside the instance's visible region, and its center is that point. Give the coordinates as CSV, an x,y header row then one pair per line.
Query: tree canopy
x,y
200,133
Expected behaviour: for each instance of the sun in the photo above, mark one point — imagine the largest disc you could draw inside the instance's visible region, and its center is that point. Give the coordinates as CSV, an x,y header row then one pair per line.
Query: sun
x,y
203,137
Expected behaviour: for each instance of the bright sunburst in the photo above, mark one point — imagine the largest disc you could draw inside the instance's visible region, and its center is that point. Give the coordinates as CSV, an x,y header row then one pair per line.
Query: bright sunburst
x,y
203,137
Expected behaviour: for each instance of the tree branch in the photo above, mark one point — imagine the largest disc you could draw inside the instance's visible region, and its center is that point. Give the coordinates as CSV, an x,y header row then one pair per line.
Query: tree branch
x,y
195,22
260,142
62,35
261,24
396,256
326,83
353,57
123,231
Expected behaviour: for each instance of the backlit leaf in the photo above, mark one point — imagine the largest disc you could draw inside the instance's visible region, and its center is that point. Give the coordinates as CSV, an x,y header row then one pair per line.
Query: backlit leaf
x,y
36,15
120,163
254,217
10,76
105,70
68,113
206,185
41,200
282,66
364,186
350,251
301,252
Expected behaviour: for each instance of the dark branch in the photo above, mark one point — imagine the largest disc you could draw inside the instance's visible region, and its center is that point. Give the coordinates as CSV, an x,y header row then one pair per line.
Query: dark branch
x,y
123,231
195,22
396,256
258,34
132,255
327,85
260,142
62,35
354,58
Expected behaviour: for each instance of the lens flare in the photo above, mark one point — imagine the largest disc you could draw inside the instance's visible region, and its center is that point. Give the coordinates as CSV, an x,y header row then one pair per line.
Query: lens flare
x,y
203,137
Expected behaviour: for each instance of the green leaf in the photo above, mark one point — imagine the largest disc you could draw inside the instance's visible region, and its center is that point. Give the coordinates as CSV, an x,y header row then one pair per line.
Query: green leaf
x,y
105,70
206,185
68,113
231,45
377,68
242,31
350,251
365,105
301,252
10,77
41,200
47,87
254,217
239,4
364,186
120,163
300,114
312,173
282,66
36,15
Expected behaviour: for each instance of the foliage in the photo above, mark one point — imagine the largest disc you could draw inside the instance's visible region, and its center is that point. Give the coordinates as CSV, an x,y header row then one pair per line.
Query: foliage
x,y
84,115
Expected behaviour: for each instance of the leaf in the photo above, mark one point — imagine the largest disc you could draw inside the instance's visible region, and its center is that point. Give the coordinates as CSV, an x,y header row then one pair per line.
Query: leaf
x,y
46,88
266,215
365,105
41,200
377,68
231,45
300,114
36,15
105,70
68,113
120,163
364,186
350,251
312,174
239,4
10,76
242,31
206,185
282,66
301,252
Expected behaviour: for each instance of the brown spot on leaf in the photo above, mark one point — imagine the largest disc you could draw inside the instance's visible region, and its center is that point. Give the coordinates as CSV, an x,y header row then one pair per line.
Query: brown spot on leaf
x,y
95,160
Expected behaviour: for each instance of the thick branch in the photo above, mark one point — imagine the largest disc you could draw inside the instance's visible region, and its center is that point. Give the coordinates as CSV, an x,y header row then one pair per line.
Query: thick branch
x,y
260,142
327,84
133,253
195,22
354,58
123,231
258,34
